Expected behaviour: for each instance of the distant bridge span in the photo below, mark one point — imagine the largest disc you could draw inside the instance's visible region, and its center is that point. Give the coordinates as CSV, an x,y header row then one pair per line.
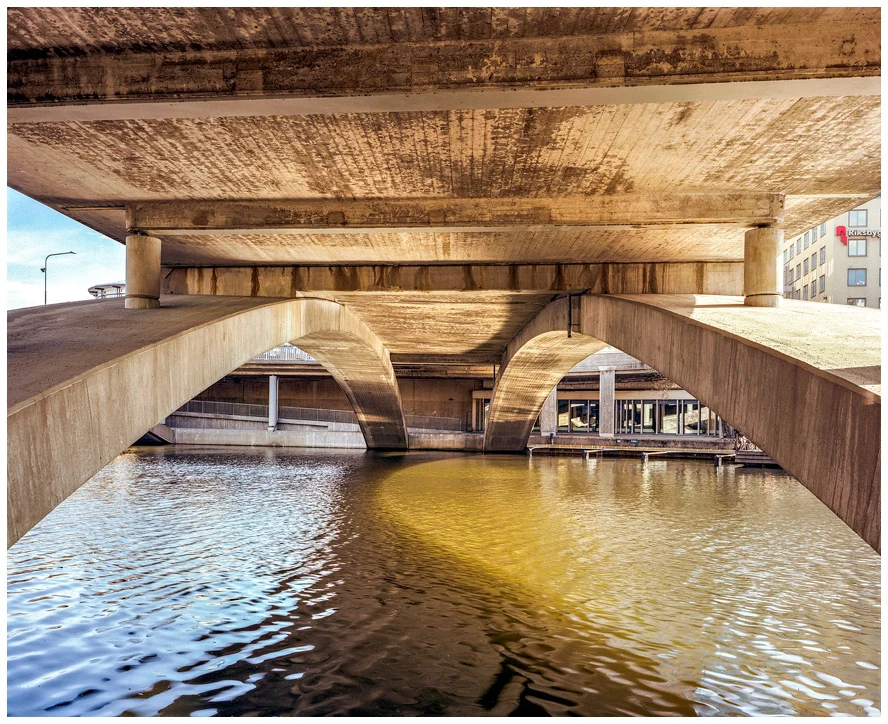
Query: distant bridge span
x,y
86,380
803,380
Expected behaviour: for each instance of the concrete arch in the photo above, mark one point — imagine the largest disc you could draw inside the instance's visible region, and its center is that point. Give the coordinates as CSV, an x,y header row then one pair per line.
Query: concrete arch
x,y
533,363
803,380
85,380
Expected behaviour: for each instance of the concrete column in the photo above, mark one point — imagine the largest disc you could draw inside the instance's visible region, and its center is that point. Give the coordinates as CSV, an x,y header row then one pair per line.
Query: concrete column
x,y
142,272
272,402
606,401
549,414
762,285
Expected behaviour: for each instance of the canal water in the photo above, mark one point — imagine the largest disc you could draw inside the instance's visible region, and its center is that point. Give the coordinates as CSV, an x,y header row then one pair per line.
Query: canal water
x,y
207,581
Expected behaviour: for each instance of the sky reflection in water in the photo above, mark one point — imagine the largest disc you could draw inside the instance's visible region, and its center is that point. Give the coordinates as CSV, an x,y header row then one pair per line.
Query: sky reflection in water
x,y
213,581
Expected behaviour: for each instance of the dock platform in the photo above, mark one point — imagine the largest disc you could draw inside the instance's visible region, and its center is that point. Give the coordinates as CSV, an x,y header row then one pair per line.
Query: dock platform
x,y
719,456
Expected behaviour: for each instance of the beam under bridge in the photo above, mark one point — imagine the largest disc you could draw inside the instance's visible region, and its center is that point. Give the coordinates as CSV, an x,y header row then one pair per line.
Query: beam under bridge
x,y
691,64
193,218
625,278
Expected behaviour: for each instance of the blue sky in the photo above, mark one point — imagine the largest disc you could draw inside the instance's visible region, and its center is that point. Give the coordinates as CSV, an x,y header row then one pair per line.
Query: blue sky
x,y
33,231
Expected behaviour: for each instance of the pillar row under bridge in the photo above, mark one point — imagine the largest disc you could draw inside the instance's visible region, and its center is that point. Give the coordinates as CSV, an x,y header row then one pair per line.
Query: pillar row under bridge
x,y
814,408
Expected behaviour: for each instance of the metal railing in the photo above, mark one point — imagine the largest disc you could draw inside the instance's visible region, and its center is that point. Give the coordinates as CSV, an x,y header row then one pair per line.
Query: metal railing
x,y
310,414
284,353
212,407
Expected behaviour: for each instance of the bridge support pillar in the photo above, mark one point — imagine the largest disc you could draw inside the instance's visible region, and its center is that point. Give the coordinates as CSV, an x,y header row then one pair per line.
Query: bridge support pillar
x,y
606,401
762,286
549,414
142,272
272,402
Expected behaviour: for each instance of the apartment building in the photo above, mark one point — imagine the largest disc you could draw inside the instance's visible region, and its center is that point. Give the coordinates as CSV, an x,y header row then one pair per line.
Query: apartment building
x,y
838,261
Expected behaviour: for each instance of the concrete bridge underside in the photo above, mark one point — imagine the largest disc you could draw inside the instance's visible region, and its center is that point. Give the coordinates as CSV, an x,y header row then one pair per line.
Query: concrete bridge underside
x,y
86,380
443,174
792,379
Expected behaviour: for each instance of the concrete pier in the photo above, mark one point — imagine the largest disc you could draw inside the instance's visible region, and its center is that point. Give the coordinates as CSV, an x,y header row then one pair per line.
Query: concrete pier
x,y
142,272
762,285
549,414
606,406
272,402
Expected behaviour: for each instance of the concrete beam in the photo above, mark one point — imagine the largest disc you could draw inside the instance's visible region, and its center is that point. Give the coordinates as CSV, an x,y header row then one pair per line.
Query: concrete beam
x,y
191,218
288,281
443,101
450,75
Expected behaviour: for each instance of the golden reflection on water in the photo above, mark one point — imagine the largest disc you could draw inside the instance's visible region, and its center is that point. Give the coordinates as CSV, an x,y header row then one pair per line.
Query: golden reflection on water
x,y
724,586
216,581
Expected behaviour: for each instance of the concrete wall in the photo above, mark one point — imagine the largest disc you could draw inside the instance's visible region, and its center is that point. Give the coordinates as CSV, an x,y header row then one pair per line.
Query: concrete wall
x,y
317,393
419,396
470,442
320,437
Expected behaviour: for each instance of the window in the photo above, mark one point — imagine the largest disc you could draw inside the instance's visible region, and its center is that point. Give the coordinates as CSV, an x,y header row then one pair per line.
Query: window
x,y
823,255
806,239
785,255
857,277
482,412
797,294
805,292
649,416
857,217
857,302
822,230
822,284
813,234
579,416
798,271
805,266
857,247
563,415
799,246
692,417
813,261
791,251
669,417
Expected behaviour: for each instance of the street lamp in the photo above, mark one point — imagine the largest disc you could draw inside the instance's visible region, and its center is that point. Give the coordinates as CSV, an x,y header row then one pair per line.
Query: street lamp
x,y
43,269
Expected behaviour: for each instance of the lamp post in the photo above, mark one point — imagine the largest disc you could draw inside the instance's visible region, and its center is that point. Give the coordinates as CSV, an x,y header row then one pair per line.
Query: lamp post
x,y
43,269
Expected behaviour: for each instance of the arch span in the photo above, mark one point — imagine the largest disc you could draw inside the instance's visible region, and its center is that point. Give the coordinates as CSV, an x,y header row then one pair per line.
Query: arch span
x,y
803,380
533,363
85,380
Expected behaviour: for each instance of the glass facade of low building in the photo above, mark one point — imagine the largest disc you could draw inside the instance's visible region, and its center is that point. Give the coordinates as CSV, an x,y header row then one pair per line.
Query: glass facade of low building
x,y
640,417
578,416
631,417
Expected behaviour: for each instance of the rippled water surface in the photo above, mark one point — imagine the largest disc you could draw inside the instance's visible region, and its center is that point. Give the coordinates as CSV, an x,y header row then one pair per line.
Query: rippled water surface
x,y
205,581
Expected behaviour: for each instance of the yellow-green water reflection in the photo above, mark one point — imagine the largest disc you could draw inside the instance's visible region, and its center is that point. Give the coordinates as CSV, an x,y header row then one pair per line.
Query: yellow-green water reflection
x,y
732,588
276,582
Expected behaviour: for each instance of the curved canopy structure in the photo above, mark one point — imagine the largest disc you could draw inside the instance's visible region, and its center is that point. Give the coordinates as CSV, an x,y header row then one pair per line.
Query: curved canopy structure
x,y
85,380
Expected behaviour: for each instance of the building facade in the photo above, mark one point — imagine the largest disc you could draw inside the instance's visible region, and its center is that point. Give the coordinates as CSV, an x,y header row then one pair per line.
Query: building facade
x,y
642,402
838,261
